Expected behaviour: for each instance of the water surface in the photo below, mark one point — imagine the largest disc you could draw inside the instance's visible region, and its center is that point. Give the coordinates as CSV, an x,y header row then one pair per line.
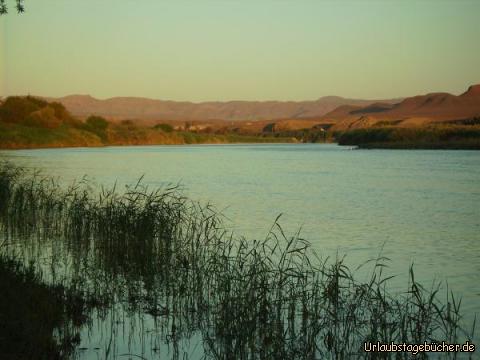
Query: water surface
x,y
420,207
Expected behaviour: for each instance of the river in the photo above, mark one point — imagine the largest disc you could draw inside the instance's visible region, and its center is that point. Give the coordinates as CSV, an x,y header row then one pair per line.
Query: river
x,y
413,206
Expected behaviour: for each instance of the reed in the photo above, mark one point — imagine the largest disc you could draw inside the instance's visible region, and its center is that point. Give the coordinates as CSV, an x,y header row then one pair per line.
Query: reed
x,y
155,253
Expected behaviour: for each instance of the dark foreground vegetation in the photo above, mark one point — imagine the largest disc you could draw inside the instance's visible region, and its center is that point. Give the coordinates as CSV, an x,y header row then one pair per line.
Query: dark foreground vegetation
x,y
456,135
30,122
153,253
37,321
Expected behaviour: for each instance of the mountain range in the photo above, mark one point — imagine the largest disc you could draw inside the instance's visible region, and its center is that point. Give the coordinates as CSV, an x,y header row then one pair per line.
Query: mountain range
x,y
343,112
415,110
150,109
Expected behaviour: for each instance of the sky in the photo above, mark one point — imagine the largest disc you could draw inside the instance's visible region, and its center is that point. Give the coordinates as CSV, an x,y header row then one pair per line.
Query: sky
x,y
240,50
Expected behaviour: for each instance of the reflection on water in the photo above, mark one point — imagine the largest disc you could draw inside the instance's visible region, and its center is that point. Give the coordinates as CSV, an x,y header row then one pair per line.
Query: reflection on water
x,y
421,206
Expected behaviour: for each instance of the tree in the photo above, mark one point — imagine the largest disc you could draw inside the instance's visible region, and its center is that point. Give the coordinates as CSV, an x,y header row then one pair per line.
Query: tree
x,y
164,127
18,5
98,125
17,108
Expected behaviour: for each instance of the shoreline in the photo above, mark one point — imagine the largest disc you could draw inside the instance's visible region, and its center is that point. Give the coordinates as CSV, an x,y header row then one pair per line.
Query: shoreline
x,y
151,145
376,146
409,146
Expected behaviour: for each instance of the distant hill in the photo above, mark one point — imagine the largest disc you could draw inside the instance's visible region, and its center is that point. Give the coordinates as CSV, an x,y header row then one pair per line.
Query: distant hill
x,y
411,111
150,109
440,105
253,116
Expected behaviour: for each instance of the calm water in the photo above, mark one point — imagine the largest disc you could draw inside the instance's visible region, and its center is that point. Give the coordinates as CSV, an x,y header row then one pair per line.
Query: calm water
x,y
423,207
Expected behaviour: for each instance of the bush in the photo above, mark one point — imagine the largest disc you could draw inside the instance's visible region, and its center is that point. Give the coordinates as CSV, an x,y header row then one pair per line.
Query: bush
x,y
43,118
16,108
97,125
60,111
164,127
31,111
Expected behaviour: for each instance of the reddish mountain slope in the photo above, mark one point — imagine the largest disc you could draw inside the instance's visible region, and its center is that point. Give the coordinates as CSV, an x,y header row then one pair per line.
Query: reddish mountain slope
x,y
411,111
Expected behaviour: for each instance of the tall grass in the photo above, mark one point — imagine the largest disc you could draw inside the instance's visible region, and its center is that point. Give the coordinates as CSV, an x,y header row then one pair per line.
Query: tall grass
x,y
155,253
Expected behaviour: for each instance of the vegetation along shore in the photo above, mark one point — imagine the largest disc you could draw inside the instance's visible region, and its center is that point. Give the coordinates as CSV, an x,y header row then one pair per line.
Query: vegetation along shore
x,y
30,122
433,121
458,135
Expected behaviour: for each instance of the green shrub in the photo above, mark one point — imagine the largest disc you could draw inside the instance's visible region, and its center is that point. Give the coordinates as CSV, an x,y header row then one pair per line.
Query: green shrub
x,y
164,127
97,125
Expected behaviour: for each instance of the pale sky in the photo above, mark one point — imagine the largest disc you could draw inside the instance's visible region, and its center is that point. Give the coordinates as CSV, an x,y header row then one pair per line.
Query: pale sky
x,y
240,50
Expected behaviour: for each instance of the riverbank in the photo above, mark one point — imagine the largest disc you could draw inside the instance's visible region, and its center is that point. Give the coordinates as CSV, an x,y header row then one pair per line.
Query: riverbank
x,y
438,136
22,137
28,122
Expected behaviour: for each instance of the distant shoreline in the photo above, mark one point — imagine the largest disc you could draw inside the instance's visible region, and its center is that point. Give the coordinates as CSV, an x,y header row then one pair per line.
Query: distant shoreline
x,y
411,146
432,137
365,146
54,146
33,123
